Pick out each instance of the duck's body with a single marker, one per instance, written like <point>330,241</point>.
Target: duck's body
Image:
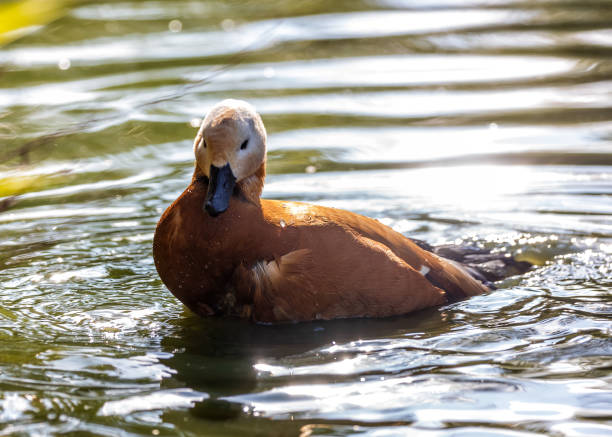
<point>274,261</point>
<point>289,261</point>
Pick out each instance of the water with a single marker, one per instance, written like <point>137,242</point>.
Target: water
<point>480,121</point>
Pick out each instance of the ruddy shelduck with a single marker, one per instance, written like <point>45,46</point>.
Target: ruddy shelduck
<point>223,250</point>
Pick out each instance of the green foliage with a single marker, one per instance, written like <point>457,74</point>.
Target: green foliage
<point>22,17</point>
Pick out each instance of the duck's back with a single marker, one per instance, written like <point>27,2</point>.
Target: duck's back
<point>330,263</point>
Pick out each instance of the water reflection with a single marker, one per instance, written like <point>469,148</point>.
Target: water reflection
<point>215,355</point>
<point>256,36</point>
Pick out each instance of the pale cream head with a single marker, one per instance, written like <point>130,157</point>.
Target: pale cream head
<point>232,133</point>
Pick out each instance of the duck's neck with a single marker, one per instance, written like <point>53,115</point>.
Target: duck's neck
<point>252,186</point>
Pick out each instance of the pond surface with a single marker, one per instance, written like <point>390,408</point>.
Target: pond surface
<point>478,121</point>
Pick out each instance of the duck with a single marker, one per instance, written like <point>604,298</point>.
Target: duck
<point>223,250</point>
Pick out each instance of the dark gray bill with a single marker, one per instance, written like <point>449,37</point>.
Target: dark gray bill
<point>221,183</point>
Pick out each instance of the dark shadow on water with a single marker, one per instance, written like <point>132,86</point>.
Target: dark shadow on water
<point>216,356</point>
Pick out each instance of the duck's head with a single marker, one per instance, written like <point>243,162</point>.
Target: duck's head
<point>230,150</point>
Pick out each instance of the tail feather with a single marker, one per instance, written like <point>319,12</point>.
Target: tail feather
<point>492,266</point>
<point>483,265</point>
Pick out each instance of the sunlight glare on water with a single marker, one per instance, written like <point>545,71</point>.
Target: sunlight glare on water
<point>480,122</point>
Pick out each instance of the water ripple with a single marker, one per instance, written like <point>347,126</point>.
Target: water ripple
<point>481,122</point>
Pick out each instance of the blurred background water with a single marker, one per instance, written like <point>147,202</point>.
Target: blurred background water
<point>478,121</point>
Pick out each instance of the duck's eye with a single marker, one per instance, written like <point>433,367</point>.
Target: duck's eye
<point>203,143</point>
<point>244,144</point>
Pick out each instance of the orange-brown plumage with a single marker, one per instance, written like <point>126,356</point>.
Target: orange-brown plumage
<point>274,261</point>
